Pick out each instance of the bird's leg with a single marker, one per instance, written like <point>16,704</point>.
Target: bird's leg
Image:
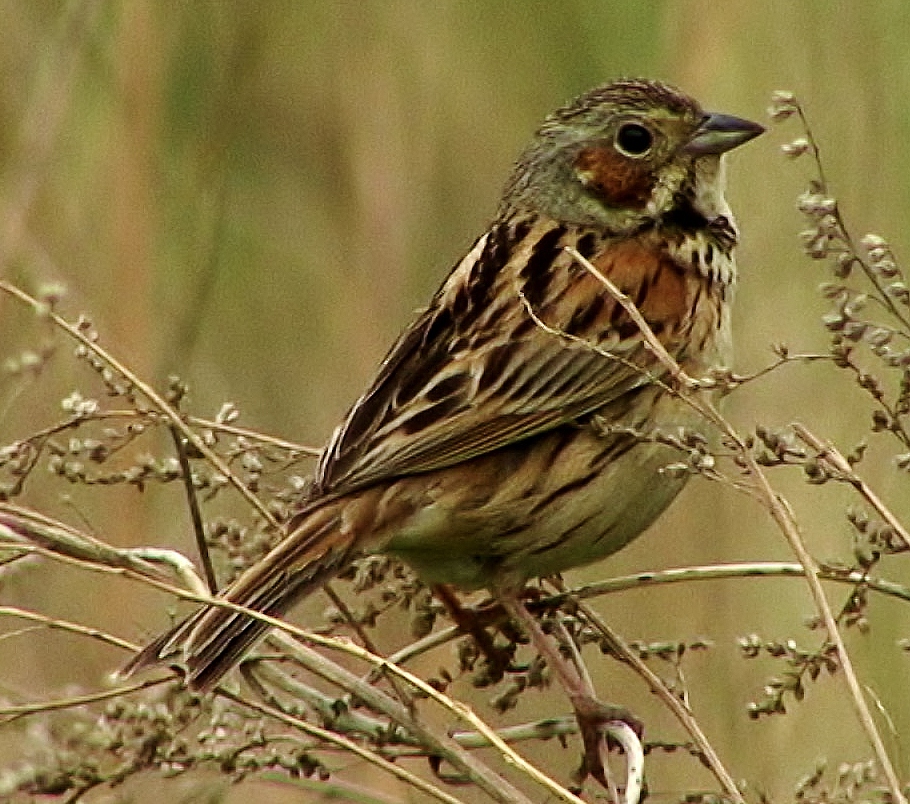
<point>592,714</point>
<point>499,660</point>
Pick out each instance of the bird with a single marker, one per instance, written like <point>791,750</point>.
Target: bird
<point>504,436</point>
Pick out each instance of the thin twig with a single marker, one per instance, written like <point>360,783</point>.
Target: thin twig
<point>711,572</point>
<point>348,745</point>
<point>62,541</point>
<point>485,778</point>
<point>14,712</point>
<point>255,435</point>
<point>197,421</point>
<point>737,380</point>
<point>845,472</point>
<point>365,639</point>
<point>195,513</point>
<point>652,342</point>
<point>755,569</point>
<point>65,625</point>
<point>681,711</point>
<point>149,393</point>
<point>883,297</point>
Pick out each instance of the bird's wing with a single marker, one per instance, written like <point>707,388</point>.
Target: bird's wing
<point>519,340</point>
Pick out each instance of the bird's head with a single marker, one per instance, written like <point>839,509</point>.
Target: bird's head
<point>625,154</point>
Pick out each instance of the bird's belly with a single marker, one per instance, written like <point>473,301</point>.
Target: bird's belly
<point>566,499</point>
<point>615,508</point>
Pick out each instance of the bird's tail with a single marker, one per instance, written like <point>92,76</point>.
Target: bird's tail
<point>211,641</point>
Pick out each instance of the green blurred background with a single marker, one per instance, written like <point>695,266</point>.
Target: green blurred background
<point>256,196</point>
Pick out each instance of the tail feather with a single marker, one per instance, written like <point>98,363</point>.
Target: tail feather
<point>211,641</point>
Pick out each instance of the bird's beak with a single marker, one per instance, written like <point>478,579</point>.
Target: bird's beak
<point>719,133</point>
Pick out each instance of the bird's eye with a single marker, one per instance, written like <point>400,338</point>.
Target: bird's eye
<point>633,139</point>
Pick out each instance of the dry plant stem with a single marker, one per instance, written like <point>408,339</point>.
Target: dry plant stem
<point>479,774</point>
<point>349,618</point>
<point>269,679</point>
<point>291,641</point>
<point>402,743</point>
<point>538,730</point>
<point>375,699</point>
<point>737,380</point>
<point>570,678</point>
<point>651,340</point>
<point>11,713</point>
<point>66,625</point>
<point>195,514</point>
<point>150,394</point>
<point>675,705</point>
<point>577,660</point>
<point>635,761</point>
<point>364,637</point>
<point>253,435</point>
<point>828,452</point>
<point>46,532</point>
<point>350,747</point>
<point>758,569</point>
<point>781,513</point>
<point>786,521</point>
<point>196,421</point>
<point>843,231</point>
<point>458,709</point>
<point>495,786</point>
<point>55,538</point>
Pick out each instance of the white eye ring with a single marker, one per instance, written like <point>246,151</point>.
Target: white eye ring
<point>633,140</point>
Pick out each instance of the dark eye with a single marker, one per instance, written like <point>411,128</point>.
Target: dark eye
<point>634,139</point>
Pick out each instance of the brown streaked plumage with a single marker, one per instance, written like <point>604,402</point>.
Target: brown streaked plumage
<point>478,454</point>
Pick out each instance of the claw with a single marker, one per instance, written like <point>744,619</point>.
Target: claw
<point>592,716</point>
<point>598,713</point>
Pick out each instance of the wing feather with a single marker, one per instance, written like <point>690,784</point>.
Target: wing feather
<point>477,371</point>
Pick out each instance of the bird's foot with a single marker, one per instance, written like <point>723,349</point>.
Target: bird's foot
<point>593,716</point>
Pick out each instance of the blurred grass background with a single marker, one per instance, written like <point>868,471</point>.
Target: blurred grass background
<point>257,196</point>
